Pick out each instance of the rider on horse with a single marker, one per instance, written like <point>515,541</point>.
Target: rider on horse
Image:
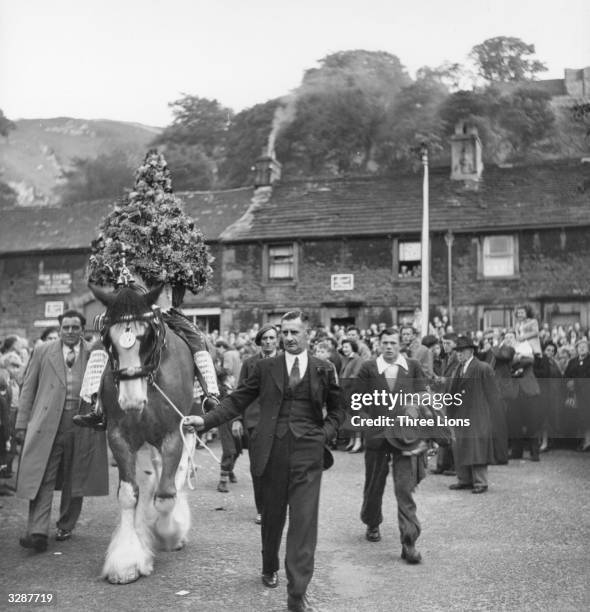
<point>149,241</point>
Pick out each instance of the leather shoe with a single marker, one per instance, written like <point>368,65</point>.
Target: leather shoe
<point>373,534</point>
<point>270,580</point>
<point>222,486</point>
<point>36,541</point>
<point>61,535</point>
<point>299,604</point>
<point>477,490</point>
<point>92,419</point>
<point>459,485</point>
<point>410,554</point>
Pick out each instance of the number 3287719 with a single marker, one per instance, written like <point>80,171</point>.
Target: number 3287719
<point>31,598</point>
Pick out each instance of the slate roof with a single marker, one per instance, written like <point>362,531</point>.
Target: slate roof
<point>545,195</point>
<point>24,230</point>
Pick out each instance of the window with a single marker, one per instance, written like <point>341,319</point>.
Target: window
<point>409,259</point>
<point>497,318</point>
<point>499,256</point>
<point>281,262</point>
<point>206,319</point>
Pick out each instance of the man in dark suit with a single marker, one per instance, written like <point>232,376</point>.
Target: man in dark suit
<point>392,373</point>
<point>445,464</point>
<point>481,403</point>
<point>288,447</point>
<point>52,445</point>
<point>268,341</point>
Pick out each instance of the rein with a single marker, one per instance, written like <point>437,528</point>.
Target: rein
<point>192,469</point>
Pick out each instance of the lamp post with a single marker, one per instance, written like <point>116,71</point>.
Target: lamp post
<point>449,238</point>
<point>425,243</point>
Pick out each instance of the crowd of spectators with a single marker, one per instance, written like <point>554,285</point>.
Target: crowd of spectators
<point>559,368</point>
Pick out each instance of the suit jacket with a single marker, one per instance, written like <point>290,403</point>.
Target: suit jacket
<point>40,409</point>
<point>252,413</point>
<point>266,383</point>
<point>484,441</point>
<point>410,381</point>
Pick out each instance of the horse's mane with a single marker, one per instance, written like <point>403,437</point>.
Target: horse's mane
<point>128,302</point>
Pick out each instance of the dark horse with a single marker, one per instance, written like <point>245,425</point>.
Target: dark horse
<point>146,359</point>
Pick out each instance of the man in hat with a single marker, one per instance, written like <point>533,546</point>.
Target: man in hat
<point>450,364</point>
<point>267,339</point>
<point>289,453</point>
<point>480,401</point>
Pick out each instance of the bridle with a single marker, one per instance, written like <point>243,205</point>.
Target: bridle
<point>149,368</point>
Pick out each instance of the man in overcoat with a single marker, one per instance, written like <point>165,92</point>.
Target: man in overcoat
<point>392,373</point>
<point>55,453</point>
<point>481,404</point>
<point>288,449</point>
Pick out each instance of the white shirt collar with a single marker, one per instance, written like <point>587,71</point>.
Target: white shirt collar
<point>466,364</point>
<point>290,360</point>
<point>382,365</point>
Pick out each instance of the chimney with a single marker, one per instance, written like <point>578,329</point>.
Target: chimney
<point>267,171</point>
<point>466,162</point>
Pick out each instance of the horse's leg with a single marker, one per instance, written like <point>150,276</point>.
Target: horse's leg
<point>173,521</point>
<point>128,556</point>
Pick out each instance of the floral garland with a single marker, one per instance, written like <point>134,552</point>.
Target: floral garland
<point>149,232</point>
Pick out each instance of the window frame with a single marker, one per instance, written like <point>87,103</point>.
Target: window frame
<point>266,263</point>
<point>481,257</point>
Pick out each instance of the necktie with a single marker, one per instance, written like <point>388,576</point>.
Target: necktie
<point>294,376</point>
<point>70,358</point>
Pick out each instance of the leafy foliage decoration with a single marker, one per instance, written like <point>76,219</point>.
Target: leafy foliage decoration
<point>149,232</point>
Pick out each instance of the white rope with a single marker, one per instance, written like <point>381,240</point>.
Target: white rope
<point>192,473</point>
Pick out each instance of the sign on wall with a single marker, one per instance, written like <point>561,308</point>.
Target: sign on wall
<point>54,283</point>
<point>53,309</point>
<point>342,282</point>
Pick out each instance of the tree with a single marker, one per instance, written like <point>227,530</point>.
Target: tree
<point>5,124</point>
<point>247,139</point>
<point>340,107</point>
<point>197,121</point>
<point>8,196</point>
<point>527,117</point>
<point>505,58</point>
<point>94,179</point>
<point>190,167</point>
<point>413,120</point>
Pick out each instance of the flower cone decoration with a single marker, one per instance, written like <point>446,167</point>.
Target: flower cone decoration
<point>150,233</point>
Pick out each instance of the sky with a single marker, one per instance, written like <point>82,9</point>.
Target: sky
<point>128,59</point>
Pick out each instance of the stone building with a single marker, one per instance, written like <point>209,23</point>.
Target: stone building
<point>345,249</point>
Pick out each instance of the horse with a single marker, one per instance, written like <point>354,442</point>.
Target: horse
<point>144,393</point>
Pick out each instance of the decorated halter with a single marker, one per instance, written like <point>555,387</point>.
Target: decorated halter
<point>153,318</point>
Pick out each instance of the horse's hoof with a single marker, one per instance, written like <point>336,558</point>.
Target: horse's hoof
<point>126,578</point>
<point>179,546</point>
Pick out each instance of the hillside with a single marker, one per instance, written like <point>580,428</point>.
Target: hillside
<point>35,154</point>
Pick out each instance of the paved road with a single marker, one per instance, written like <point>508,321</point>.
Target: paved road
<point>525,545</point>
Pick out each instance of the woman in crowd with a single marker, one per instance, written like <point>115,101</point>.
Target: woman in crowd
<point>577,375</point>
<point>524,413</point>
<point>550,382</point>
<point>351,364</point>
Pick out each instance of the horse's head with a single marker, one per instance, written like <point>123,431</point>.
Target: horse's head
<point>133,335</point>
